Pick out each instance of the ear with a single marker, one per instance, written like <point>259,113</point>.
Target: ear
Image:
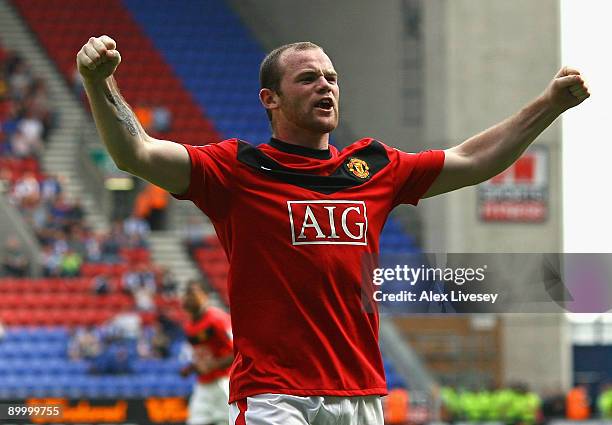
<point>269,99</point>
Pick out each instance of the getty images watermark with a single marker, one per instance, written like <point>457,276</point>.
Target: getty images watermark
<point>412,276</point>
<point>487,283</point>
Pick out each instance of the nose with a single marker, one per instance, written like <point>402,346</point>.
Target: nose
<point>323,86</point>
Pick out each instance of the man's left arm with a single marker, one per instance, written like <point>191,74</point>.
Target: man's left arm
<point>489,153</point>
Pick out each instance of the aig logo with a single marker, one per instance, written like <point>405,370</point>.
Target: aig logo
<point>328,222</point>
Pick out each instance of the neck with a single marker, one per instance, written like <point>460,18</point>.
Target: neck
<point>195,315</point>
<point>301,137</point>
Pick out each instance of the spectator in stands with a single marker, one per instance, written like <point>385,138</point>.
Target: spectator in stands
<point>93,247</point>
<point>162,119</point>
<point>10,62</point>
<point>38,219</point>
<point>141,284</point>
<point>144,297</point>
<point>27,116</point>
<point>171,328</point>
<point>101,284</point>
<point>136,231</point>
<point>136,277</point>
<point>51,261</point>
<point>145,115</point>
<point>117,348</point>
<point>76,212</point>
<point>9,126</point>
<point>26,191</point>
<point>25,143</point>
<point>70,265</point>
<point>154,343</point>
<point>43,225</point>
<point>143,347</point>
<point>60,212</point>
<point>160,342</point>
<point>50,188</point>
<point>119,344</point>
<point>84,344</point>
<point>19,77</point>
<point>126,325</point>
<point>37,103</point>
<point>167,282</point>
<point>15,262</point>
<point>151,204</point>
<point>112,242</point>
<point>32,127</point>
<point>77,239</point>
<point>59,242</point>
<point>156,119</point>
<point>116,357</point>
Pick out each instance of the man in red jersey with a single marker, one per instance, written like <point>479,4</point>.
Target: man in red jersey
<point>210,334</point>
<point>296,217</point>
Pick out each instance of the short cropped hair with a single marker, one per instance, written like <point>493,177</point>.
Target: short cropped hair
<point>270,71</point>
<point>199,283</point>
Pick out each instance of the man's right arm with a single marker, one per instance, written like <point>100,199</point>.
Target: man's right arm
<point>165,164</point>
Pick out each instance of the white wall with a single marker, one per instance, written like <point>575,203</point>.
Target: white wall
<point>586,34</point>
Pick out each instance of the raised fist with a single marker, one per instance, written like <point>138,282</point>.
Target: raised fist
<point>98,58</point>
<point>567,89</point>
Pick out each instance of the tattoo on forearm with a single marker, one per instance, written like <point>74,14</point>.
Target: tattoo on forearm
<point>124,114</point>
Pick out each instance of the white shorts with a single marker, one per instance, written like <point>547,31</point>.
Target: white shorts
<point>208,403</point>
<point>281,409</point>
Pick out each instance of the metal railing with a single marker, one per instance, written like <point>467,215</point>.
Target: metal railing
<point>11,224</point>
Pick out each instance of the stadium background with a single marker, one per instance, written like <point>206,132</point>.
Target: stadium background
<point>415,74</point>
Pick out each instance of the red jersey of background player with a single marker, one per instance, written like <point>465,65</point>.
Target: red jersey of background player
<point>211,339</point>
<point>296,224</point>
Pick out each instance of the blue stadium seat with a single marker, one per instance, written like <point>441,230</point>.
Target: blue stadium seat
<point>226,61</point>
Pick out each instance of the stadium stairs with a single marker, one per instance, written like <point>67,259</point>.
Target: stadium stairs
<point>59,156</point>
<point>53,24</point>
<point>11,224</point>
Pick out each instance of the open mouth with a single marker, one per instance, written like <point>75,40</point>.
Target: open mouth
<point>325,104</point>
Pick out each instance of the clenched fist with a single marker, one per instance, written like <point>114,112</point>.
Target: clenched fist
<point>98,58</point>
<point>567,89</point>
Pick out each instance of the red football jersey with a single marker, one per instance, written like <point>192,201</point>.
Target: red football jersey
<point>295,224</point>
<point>211,335</point>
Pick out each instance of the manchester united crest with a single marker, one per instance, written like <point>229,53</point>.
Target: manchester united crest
<point>358,167</point>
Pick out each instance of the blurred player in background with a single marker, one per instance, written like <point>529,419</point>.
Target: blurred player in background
<point>296,218</point>
<point>210,334</point>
